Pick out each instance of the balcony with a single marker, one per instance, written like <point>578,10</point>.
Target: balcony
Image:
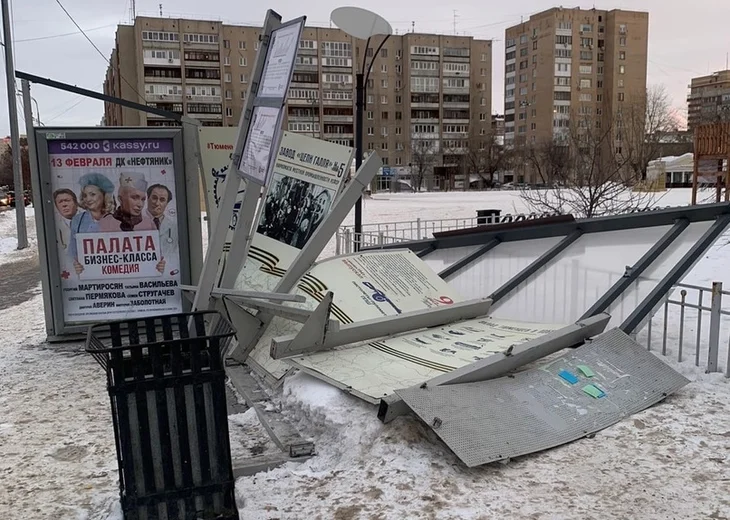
<point>153,44</point>
<point>424,105</point>
<point>462,105</point>
<point>314,118</point>
<point>338,86</point>
<point>455,151</point>
<point>162,79</point>
<point>200,45</point>
<point>300,67</point>
<point>456,90</point>
<point>203,64</point>
<point>207,116</point>
<point>425,73</point>
<point>455,135</point>
<point>339,70</point>
<point>157,116</point>
<point>423,135</point>
<point>339,136</point>
<point>457,59</point>
<point>330,118</point>
<point>426,120</point>
<point>170,98</point>
<point>309,86</point>
<point>203,81</point>
<point>456,74</point>
<point>338,102</point>
<point>164,62</point>
<point>463,121</point>
<point>302,102</point>
<point>203,99</point>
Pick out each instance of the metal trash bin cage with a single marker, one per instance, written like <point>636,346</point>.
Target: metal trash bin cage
<point>166,383</point>
<point>488,216</point>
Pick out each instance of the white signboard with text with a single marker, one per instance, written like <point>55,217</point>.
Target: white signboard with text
<point>366,286</point>
<point>134,255</point>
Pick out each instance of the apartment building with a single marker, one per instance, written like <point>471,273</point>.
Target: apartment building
<point>562,64</point>
<point>709,99</point>
<point>431,90</point>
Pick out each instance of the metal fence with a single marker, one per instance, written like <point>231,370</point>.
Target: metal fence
<point>374,235</point>
<point>701,333</point>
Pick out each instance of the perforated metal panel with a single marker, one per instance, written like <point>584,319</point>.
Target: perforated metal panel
<point>537,409</point>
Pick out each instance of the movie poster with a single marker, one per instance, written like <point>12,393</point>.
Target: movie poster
<point>116,228</point>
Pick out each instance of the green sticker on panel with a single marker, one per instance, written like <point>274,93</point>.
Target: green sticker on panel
<point>594,391</point>
<point>585,370</point>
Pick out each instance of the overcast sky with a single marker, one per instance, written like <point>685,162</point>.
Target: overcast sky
<point>685,38</point>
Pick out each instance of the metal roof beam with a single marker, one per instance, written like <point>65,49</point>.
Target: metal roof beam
<point>632,273</point>
<point>531,269</point>
<point>463,262</point>
<point>423,252</point>
<point>661,217</point>
<point>636,318</point>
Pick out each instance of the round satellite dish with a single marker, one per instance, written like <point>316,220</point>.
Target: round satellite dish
<point>360,23</point>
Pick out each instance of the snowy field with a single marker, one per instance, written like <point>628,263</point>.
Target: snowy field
<point>57,458</point>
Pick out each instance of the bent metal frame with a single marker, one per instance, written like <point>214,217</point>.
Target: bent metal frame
<point>487,238</point>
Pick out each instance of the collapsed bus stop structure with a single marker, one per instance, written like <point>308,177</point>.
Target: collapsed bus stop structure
<point>434,327</point>
<point>517,294</point>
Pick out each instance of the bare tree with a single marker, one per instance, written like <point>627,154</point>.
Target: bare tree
<point>6,165</point>
<point>587,172</point>
<point>423,159</point>
<point>550,160</point>
<point>486,156</point>
<point>646,122</point>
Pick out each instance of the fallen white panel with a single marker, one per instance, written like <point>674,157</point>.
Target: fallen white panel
<point>538,409</point>
<point>365,285</point>
<point>373,370</point>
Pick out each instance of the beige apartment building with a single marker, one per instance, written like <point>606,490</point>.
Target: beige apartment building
<point>432,90</point>
<point>562,64</point>
<point>709,99</point>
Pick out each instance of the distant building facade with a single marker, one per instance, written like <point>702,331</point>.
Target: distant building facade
<point>425,91</point>
<point>563,62</point>
<point>709,99</point>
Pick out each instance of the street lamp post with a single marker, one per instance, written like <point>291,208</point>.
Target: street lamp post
<point>38,110</point>
<point>362,24</point>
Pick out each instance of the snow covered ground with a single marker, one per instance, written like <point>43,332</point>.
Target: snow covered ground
<point>57,457</point>
<point>9,236</point>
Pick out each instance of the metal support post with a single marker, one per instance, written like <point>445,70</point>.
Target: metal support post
<point>359,106</point>
<point>644,309</point>
<point>531,269</point>
<point>98,95</point>
<point>314,246</point>
<point>37,186</point>
<point>240,244</point>
<point>192,189</point>
<point>715,316</point>
<point>232,182</point>
<point>318,335</point>
<point>14,130</point>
